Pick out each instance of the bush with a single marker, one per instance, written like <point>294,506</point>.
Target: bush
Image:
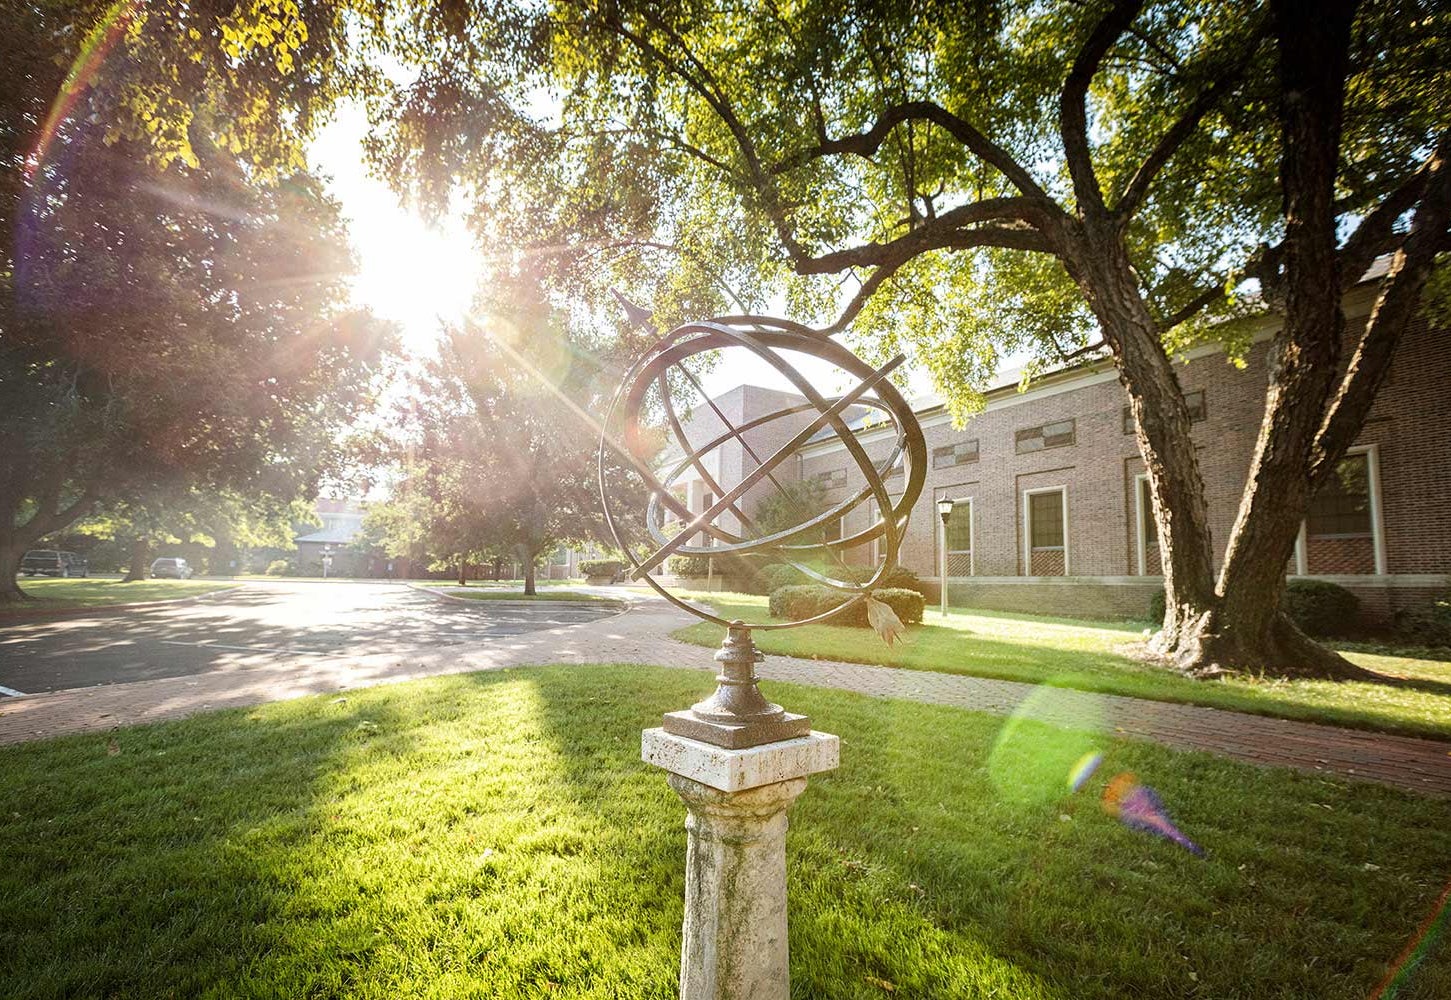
<point>1157,608</point>
<point>688,565</point>
<point>794,603</point>
<point>778,575</point>
<point>279,567</point>
<point>1318,607</point>
<point>601,567</point>
<point>1427,625</point>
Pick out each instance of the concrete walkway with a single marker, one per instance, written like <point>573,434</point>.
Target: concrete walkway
<point>641,636</point>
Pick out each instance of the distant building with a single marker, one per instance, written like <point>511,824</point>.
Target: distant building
<point>342,522</point>
<point>1051,507</point>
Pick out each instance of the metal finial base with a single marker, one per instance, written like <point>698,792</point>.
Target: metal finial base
<point>736,715</point>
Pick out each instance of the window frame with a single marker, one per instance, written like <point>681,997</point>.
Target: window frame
<point>943,552</point>
<point>1062,491</point>
<point>1377,524</point>
<point>1143,521</point>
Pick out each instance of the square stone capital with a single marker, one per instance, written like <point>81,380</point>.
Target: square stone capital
<point>736,770</point>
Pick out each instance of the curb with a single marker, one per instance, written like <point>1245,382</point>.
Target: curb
<point>41,613</point>
<point>621,605</point>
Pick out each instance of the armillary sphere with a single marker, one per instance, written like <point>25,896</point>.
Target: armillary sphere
<point>737,462</point>
<point>726,527</point>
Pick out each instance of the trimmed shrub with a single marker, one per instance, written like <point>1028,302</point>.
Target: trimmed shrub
<point>601,567</point>
<point>1157,607</point>
<point>778,575</point>
<point>279,567</point>
<point>688,565</point>
<point>1427,625</point>
<point>897,578</point>
<point>809,600</point>
<point>1318,607</point>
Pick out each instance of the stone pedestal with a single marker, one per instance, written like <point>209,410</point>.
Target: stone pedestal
<point>735,944</point>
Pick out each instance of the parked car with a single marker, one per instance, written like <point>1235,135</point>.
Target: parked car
<point>171,569</point>
<point>54,562</point>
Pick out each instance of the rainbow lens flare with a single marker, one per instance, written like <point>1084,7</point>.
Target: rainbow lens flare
<point>1083,770</point>
<point>1139,807</point>
<point>98,44</point>
<point>1405,964</point>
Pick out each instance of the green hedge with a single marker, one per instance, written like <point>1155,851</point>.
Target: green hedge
<point>1427,625</point>
<point>1317,607</point>
<point>279,567</point>
<point>601,567</point>
<point>809,600</point>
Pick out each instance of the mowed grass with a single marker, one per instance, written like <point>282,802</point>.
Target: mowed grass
<point>1098,656</point>
<point>58,594</point>
<point>495,835</point>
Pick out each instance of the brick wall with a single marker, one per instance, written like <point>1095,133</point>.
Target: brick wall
<point>1409,430</point>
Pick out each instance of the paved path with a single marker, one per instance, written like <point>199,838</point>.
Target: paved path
<point>641,636</point>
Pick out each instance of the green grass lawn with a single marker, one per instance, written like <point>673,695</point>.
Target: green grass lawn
<point>58,594</point>
<point>475,594</point>
<point>495,835</point>
<point>1093,656</point>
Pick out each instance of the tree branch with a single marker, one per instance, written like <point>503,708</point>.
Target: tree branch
<point>1375,234</point>
<point>1207,294</point>
<point>866,144</point>
<point>1399,298</point>
<point>1073,103</point>
<point>1138,186</point>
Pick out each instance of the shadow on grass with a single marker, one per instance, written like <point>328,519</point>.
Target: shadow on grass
<point>496,835</point>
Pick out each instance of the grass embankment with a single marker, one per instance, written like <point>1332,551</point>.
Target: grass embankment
<point>496,835</point>
<point>1094,656</point>
<point>58,595</point>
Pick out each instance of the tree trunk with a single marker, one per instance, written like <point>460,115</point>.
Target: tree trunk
<point>529,588</point>
<point>1249,631</point>
<point>498,568</point>
<point>463,577</point>
<point>1103,272</point>
<point>140,549</point>
<point>12,551</point>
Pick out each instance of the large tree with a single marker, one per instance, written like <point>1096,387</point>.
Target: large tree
<point>1075,177</point>
<point>980,175</point>
<point>497,445</point>
<point>166,328</point>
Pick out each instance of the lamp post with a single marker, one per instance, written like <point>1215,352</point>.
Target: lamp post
<point>327,559</point>
<point>944,511</point>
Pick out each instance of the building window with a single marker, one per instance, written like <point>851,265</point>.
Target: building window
<point>1340,526</point>
<point>1194,400</point>
<point>832,479</point>
<point>958,541</point>
<point>1054,435</point>
<point>1150,562</point>
<point>949,455</point>
<point>1045,530</point>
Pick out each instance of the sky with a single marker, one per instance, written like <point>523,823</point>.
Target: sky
<point>416,274</point>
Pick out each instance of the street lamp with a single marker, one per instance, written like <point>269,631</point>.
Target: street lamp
<point>944,511</point>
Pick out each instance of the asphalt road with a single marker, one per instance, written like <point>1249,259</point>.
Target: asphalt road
<point>258,623</point>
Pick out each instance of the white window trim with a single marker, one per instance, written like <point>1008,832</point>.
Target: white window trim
<point>1377,526</point>
<point>1028,529</point>
<point>971,537</point>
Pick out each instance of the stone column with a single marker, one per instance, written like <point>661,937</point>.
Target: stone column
<point>735,945</point>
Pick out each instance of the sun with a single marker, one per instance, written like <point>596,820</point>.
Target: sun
<point>416,273</point>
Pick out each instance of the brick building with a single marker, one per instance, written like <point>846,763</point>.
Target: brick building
<point>1052,512</point>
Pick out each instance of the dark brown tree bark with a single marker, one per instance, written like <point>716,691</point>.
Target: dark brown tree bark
<point>11,553</point>
<point>140,549</point>
<point>463,576</point>
<point>529,572</point>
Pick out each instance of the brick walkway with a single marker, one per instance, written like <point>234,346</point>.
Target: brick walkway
<point>641,636</point>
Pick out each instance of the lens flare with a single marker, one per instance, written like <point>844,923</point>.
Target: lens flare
<point>94,50</point>
<point>1050,733</point>
<point>1431,930</point>
<point>1139,807</point>
<point>1083,770</point>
